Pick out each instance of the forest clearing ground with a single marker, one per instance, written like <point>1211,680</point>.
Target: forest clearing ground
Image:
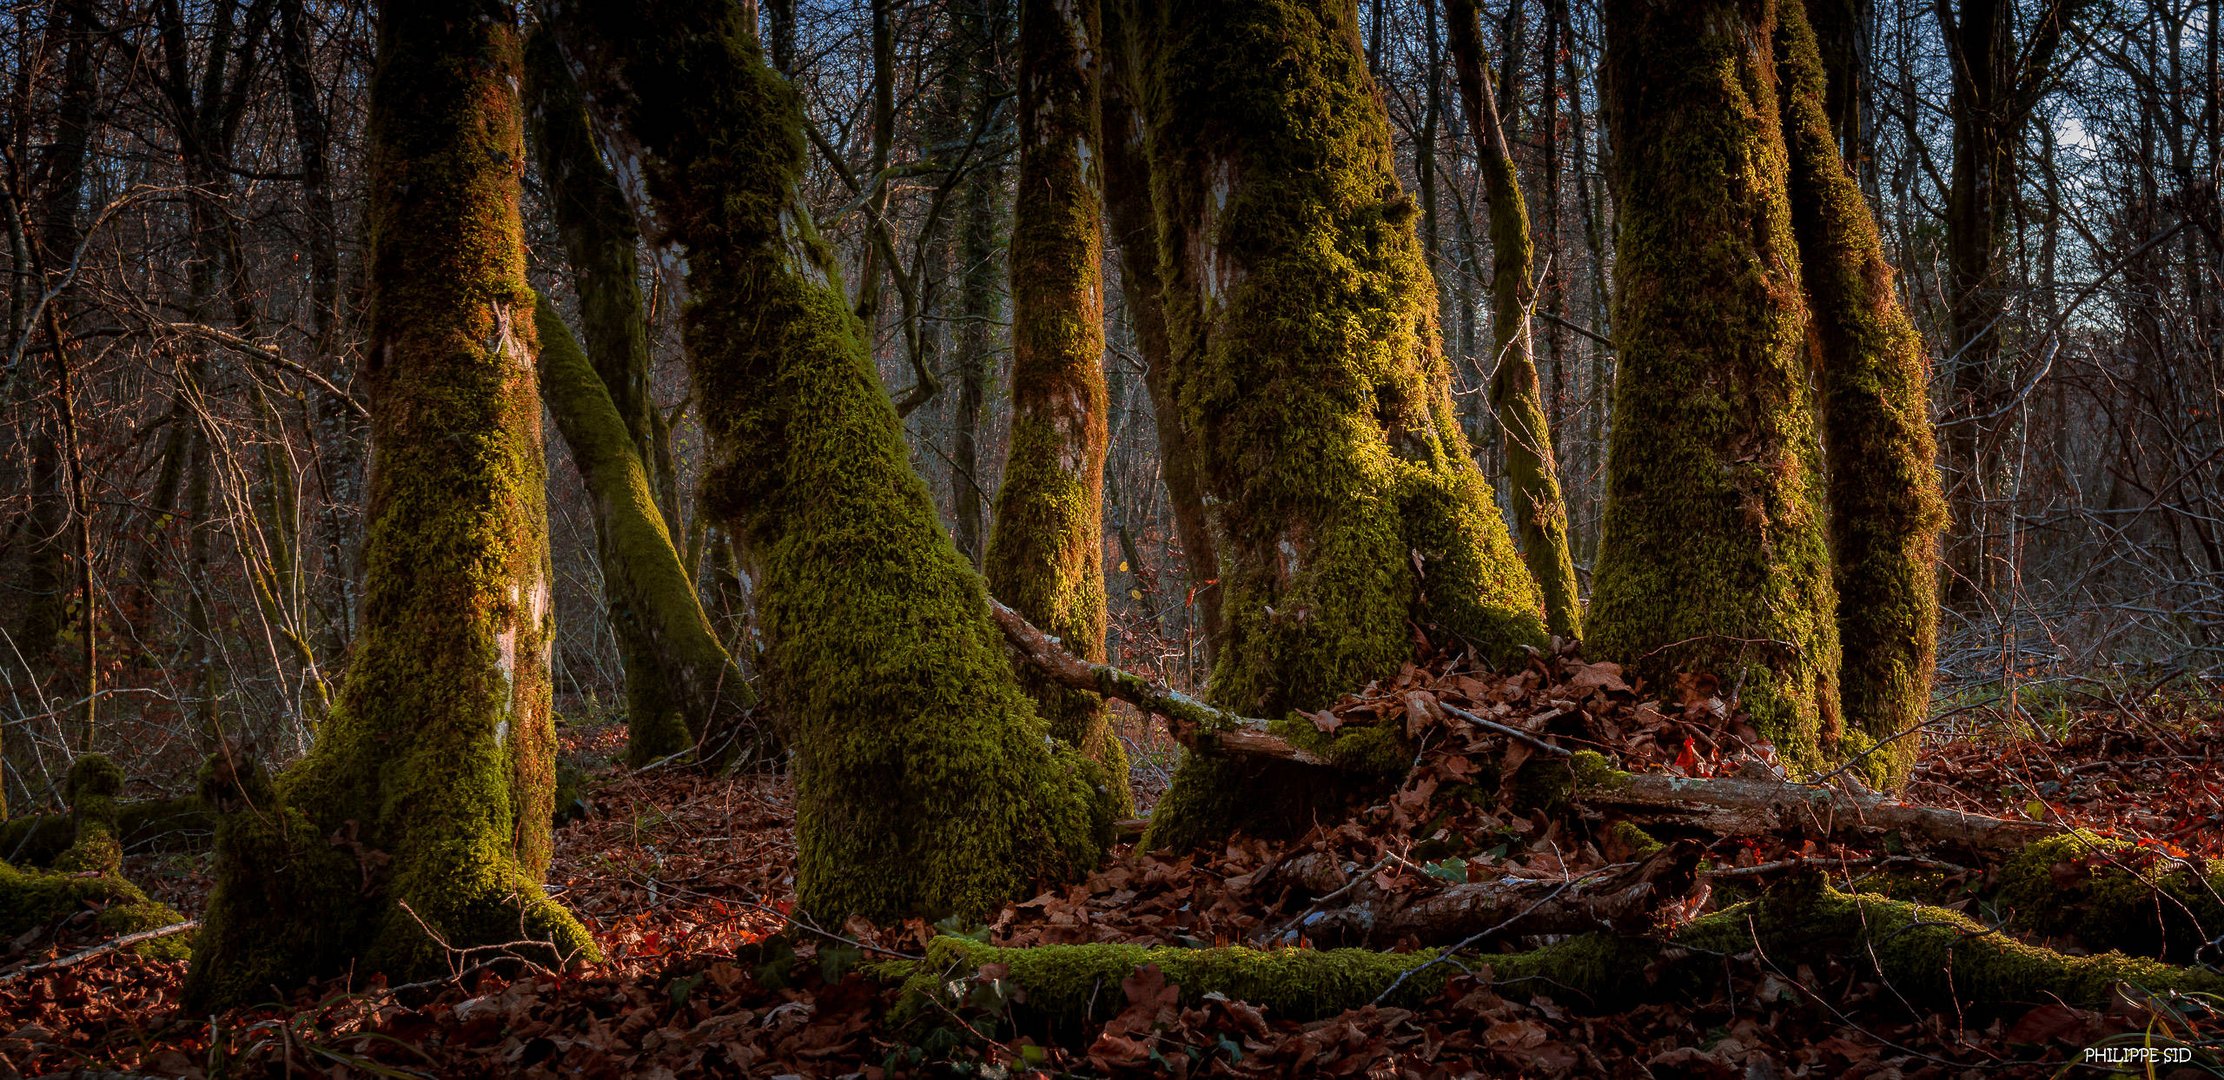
<point>683,877</point>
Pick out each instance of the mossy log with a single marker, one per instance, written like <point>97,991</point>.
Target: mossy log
<point>2113,894</point>
<point>1622,899</point>
<point>1305,358</point>
<point>926,783</point>
<point>1931,957</point>
<point>1744,806</point>
<point>1046,544</point>
<point>419,826</point>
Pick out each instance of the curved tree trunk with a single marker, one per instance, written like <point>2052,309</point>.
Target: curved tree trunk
<point>420,822</point>
<point>1540,514</point>
<point>681,686</point>
<point>1127,210</point>
<point>1715,559</point>
<point>1885,508</point>
<point>1046,547</point>
<point>691,695</point>
<point>1305,354</point>
<point>925,783</point>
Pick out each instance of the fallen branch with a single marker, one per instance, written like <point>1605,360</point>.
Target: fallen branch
<point>102,949</point>
<point>1740,806</point>
<point>1624,899</point>
<point>1193,723</point>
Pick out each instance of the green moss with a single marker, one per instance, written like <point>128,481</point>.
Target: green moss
<point>173,824</point>
<point>2116,895</point>
<point>683,689</point>
<point>1928,954</point>
<point>926,783</point>
<point>419,824</point>
<point>1532,474</point>
<point>1886,511</point>
<point>1714,555</point>
<point>1633,839</point>
<point>1304,357</point>
<point>34,899</point>
<point>1045,553</point>
<point>1074,984</point>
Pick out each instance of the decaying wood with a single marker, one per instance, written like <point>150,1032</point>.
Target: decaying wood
<point>1743,806</point>
<point>1618,899</point>
<point>1194,724</point>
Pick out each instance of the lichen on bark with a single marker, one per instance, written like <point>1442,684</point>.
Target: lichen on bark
<point>1046,546</point>
<point>1306,360</point>
<point>419,823</point>
<point>1714,558</point>
<point>1886,510</point>
<point>926,781</point>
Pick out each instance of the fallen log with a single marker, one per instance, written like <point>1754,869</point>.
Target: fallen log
<point>1623,899</point>
<point>1744,806</point>
<point>1930,957</point>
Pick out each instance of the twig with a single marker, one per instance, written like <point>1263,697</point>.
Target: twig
<point>102,949</point>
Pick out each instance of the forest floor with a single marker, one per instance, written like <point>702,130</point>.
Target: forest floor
<point>687,882</point>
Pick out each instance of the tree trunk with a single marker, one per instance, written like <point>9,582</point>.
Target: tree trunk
<point>1885,508</point>
<point>1046,548</point>
<point>1540,514</point>
<point>925,784</point>
<point>977,274</point>
<point>1715,561</point>
<point>1302,324</point>
<point>682,688</point>
<point>1127,209</point>
<point>420,822</point>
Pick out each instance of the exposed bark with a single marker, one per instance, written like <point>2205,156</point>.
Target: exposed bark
<point>1715,559</point>
<point>1046,547</point>
<point>1532,475</point>
<point>925,783</point>
<point>421,821</point>
<point>1886,512</point>
<point>977,275</point>
<point>1302,324</point>
<point>1627,900</point>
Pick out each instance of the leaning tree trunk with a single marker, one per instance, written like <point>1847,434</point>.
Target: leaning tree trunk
<point>682,688</point>
<point>1046,547</point>
<point>1127,210</point>
<point>1305,357</point>
<point>925,784</point>
<point>1885,508</point>
<point>693,695</point>
<point>420,822</point>
<point>1540,514</point>
<point>1714,560</point>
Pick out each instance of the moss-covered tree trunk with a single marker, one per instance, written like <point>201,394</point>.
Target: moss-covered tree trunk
<point>1886,512</point>
<point>1127,211</point>
<point>681,686</point>
<point>420,822</point>
<point>1046,546</point>
<point>925,781</point>
<point>1305,358</point>
<point>683,689</point>
<point>1714,559</point>
<point>1540,514</point>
